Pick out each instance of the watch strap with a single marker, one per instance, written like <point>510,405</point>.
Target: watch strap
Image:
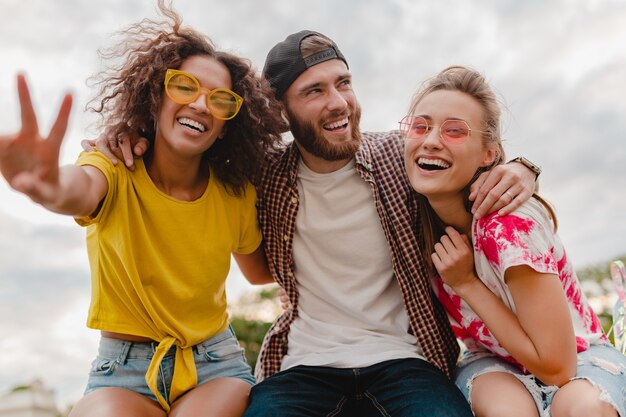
<point>528,164</point>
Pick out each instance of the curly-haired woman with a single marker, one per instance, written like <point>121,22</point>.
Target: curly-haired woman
<point>160,237</point>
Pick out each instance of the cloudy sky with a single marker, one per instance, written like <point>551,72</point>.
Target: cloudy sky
<point>560,67</point>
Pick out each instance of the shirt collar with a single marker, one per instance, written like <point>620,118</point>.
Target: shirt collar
<point>292,156</point>
<point>364,155</point>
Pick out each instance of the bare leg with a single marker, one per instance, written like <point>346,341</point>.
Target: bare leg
<point>580,398</point>
<point>499,394</point>
<point>221,397</point>
<point>118,402</point>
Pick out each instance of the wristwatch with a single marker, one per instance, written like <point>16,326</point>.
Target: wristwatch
<point>534,168</point>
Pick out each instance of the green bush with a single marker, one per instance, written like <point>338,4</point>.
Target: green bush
<point>250,334</point>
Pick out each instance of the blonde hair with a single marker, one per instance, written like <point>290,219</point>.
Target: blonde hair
<point>474,84</point>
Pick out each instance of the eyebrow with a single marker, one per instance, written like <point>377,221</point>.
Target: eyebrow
<point>430,119</point>
<point>345,76</point>
<point>340,77</point>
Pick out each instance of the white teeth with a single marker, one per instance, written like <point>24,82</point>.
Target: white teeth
<point>192,123</point>
<point>437,162</point>
<point>336,124</point>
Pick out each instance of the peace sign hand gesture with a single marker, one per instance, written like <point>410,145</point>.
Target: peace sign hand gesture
<point>28,161</point>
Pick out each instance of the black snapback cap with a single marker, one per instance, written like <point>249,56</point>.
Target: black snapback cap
<point>284,62</point>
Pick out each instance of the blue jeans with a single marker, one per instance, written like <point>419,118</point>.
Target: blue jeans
<point>399,388</point>
<point>124,364</point>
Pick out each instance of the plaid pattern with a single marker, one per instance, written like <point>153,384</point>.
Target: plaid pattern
<point>380,162</point>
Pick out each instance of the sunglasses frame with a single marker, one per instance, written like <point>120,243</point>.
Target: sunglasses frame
<point>406,126</point>
<point>170,73</point>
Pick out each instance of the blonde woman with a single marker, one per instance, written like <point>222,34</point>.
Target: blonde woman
<point>534,346</point>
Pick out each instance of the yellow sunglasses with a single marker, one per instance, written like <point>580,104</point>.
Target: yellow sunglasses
<point>184,88</point>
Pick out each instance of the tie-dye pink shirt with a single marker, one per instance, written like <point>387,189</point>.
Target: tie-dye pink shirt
<point>525,237</point>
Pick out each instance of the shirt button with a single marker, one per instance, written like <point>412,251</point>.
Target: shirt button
<point>294,200</point>
<point>285,238</point>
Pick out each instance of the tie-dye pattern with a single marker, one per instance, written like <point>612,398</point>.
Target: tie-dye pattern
<point>525,237</point>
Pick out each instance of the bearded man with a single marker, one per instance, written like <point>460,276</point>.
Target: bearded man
<point>364,335</point>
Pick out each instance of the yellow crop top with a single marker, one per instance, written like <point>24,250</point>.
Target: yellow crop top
<point>159,265</point>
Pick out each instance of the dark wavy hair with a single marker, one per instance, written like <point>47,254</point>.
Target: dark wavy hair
<point>131,93</point>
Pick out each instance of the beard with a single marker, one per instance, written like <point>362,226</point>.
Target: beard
<point>314,142</point>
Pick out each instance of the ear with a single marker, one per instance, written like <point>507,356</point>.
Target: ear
<point>283,111</point>
<point>491,154</point>
<point>285,116</point>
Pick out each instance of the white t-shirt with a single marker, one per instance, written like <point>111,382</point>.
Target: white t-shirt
<point>350,309</point>
<point>525,237</point>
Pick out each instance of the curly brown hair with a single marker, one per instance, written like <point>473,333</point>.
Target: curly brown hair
<point>130,95</point>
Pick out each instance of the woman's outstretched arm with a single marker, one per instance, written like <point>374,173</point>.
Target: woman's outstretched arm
<point>30,163</point>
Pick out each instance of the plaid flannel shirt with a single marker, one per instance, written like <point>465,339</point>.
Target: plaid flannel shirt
<point>379,161</point>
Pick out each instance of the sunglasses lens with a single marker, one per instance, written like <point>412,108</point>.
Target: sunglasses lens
<point>182,89</point>
<point>414,127</point>
<point>223,104</point>
<point>419,126</point>
<point>454,130</point>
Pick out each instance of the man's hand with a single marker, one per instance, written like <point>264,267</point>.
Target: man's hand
<point>503,188</point>
<point>115,149</point>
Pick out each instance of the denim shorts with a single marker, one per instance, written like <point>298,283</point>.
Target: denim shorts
<point>124,364</point>
<point>602,365</point>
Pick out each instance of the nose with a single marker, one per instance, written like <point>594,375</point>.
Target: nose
<point>199,104</point>
<point>336,100</point>
<point>433,138</point>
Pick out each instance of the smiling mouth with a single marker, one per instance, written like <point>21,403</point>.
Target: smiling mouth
<point>428,164</point>
<point>192,124</point>
<point>338,125</point>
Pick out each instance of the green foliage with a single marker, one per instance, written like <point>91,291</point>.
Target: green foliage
<point>607,322</point>
<point>597,272</point>
<point>268,294</point>
<point>600,272</point>
<point>250,334</point>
